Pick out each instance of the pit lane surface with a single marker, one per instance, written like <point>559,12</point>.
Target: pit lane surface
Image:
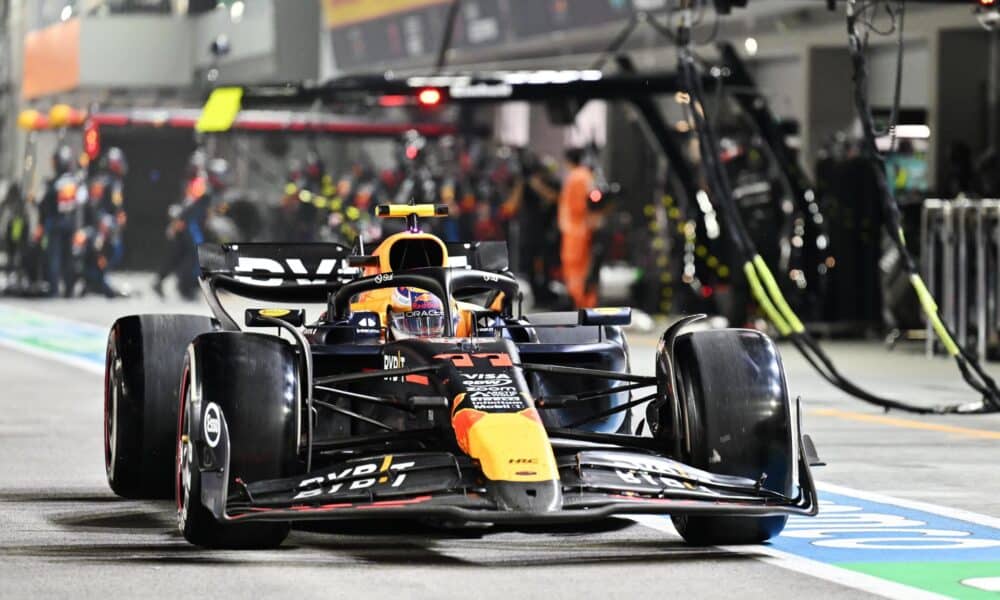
<point>63,533</point>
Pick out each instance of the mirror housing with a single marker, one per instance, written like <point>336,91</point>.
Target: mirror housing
<point>257,317</point>
<point>605,316</point>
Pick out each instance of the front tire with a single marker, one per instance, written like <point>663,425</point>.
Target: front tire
<point>731,386</point>
<point>253,382</point>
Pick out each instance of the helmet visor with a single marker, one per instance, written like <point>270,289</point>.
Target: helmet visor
<point>419,323</point>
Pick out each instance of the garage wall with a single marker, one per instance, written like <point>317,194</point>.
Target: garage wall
<point>829,100</point>
<point>959,113</point>
<point>781,81</point>
<point>916,74</point>
<point>270,43</point>
<point>251,38</point>
<point>296,42</point>
<point>145,51</point>
<point>135,51</point>
<point>823,104</point>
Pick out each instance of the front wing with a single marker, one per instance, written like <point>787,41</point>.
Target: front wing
<point>596,484</point>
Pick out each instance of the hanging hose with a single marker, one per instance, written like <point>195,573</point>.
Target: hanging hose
<point>972,371</point>
<point>764,287</point>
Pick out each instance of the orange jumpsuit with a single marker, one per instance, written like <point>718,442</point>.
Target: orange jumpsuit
<point>574,225</point>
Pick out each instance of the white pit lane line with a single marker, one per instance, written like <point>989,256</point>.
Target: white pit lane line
<point>934,509</point>
<point>813,568</point>
<point>850,578</point>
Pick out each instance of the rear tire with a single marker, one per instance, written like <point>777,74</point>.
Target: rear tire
<point>731,386</point>
<point>254,381</point>
<point>145,355</point>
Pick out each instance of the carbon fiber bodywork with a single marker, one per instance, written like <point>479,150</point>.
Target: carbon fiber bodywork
<point>386,427</point>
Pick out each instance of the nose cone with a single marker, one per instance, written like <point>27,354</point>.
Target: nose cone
<point>527,497</point>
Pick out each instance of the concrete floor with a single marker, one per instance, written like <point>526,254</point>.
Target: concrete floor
<point>63,533</point>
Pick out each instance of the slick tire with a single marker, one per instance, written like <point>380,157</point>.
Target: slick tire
<point>252,382</point>
<point>731,386</point>
<point>145,355</point>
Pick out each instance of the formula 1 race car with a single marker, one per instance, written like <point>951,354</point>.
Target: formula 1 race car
<point>423,392</point>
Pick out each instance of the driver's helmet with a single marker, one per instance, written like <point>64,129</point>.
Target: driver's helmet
<point>417,313</point>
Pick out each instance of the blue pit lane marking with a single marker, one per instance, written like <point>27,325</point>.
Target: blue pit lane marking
<point>72,342</point>
<point>887,546</point>
<point>850,528</point>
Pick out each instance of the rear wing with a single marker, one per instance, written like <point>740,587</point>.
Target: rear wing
<point>308,272</point>
<point>275,270</point>
<point>283,273</point>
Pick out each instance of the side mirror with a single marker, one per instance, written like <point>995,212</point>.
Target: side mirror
<point>362,261</point>
<point>259,317</point>
<point>365,321</point>
<point>605,316</point>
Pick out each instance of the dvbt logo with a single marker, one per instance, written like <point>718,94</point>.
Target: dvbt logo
<point>354,478</point>
<point>393,361</point>
<point>259,268</point>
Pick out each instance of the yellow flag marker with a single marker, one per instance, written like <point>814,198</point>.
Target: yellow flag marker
<point>221,109</point>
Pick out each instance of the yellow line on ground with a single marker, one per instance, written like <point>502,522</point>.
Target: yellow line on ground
<point>906,423</point>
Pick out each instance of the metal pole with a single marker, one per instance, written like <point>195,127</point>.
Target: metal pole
<point>980,237</point>
<point>993,256</point>
<point>993,93</point>
<point>948,278</point>
<point>962,209</point>
<point>449,32</point>
<point>929,235</point>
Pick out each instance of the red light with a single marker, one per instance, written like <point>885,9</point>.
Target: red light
<point>91,141</point>
<point>595,196</point>
<point>429,97</point>
<point>987,3</point>
<point>411,152</point>
<point>392,101</point>
<point>707,291</point>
